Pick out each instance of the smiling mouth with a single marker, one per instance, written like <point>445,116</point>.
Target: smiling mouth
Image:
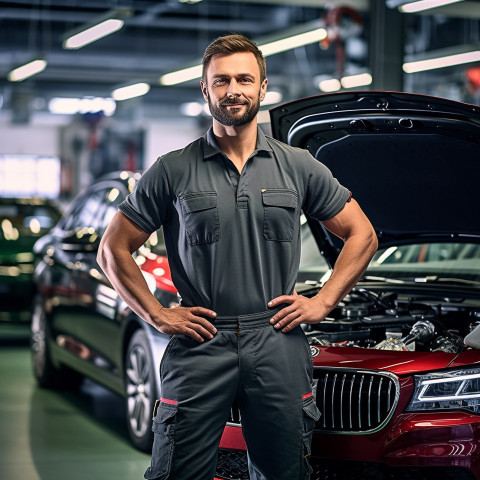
<point>234,105</point>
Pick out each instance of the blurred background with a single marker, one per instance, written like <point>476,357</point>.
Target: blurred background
<point>73,121</point>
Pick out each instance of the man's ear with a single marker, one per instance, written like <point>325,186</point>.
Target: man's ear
<point>203,86</point>
<point>263,89</point>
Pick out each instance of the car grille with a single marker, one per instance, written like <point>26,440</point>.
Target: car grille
<point>232,465</point>
<point>351,401</point>
<point>355,401</point>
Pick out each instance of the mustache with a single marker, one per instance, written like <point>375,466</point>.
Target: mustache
<point>232,101</point>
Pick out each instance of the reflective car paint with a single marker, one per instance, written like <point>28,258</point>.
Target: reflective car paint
<point>391,361</point>
<point>80,326</point>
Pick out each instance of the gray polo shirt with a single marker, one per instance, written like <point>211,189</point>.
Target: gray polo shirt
<point>233,240</point>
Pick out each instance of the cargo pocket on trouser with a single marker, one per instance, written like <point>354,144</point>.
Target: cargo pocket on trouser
<point>311,415</point>
<point>163,443</point>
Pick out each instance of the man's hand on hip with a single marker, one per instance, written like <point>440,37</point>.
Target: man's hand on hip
<point>187,321</point>
<point>300,309</point>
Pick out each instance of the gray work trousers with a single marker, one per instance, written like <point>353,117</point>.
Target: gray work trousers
<point>269,374</point>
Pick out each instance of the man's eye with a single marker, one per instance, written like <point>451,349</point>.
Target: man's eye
<point>219,81</point>
<point>246,80</point>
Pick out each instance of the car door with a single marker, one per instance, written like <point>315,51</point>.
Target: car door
<point>56,275</point>
<point>99,328</point>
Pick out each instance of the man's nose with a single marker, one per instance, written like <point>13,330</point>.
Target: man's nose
<point>233,89</point>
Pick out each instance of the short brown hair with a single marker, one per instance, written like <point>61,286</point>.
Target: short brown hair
<point>234,43</point>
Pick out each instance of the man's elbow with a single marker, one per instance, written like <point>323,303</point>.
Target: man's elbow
<point>371,241</point>
<point>103,253</point>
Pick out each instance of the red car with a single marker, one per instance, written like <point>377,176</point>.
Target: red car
<point>397,362</point>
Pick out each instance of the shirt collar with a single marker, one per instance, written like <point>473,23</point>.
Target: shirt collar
<point>211,148</point>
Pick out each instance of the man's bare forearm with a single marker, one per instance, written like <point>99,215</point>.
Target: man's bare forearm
<point>352,262</point>
<point>360,243</point>
<point>128,281</point>
<point>121,239</point>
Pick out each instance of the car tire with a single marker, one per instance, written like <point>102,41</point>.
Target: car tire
<point>44,371</point>
<point>140,391</point>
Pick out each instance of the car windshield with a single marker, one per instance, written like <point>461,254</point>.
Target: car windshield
<point>25,218</point>
<point>430,261</point>
<point>439,260</point>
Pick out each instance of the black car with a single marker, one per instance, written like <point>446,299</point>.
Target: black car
<point>80,327</point>
<point>22,222</point>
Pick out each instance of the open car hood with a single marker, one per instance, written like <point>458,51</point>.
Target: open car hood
<point>411,161</point>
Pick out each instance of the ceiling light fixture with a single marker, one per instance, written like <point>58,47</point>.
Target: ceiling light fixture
<point>267,48</point>
<point>293,41</point>
<point>29,69</point>
<point>271,98</point>
<point>191,109</point>
<point>441,62</point>
<point>131,91</point>
<point>330,85</point>
<point>103,26</point>
<point>353,81</point>
<point>181,76</point>
<point>420,6</point>
<point>72,106</point>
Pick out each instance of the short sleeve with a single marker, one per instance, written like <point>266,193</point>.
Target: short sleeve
<point>147,206</point>
<point>324,196</point>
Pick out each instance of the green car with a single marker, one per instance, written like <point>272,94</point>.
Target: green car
<point>22,222</point>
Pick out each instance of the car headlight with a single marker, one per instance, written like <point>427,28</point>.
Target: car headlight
<point>447,390</point>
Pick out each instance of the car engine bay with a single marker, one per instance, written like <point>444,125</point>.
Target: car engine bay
<point>397,321</point>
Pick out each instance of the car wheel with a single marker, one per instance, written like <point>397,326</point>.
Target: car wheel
<point>140,391</point>
<point>45,372</point>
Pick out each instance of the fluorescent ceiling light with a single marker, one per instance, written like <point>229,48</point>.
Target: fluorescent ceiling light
<point>131,91</point>
<point>180,76</point>
<point>269,48</point>
<point>92,34</point>
<point>191,109</point>
<point>353,81</point>
<point>271,98</point>
<point>422,5</point>
<point>27,70</point>
<point>441,62</point>
<point>331,85</point>
<point>72,106</point>
<point>292,42</point>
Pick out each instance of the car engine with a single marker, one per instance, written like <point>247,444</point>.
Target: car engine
<point>394,321</point>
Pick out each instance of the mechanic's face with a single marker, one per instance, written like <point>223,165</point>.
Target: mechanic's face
<point>233,89</point>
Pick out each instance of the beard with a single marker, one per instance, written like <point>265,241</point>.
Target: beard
<point>229,118</point>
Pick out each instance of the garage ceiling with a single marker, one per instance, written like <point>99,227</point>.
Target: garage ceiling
<point>158,37</point>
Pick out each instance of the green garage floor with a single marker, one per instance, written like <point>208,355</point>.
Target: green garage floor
<point>50,435</point>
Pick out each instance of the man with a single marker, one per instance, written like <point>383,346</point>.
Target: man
<point>230,204</point>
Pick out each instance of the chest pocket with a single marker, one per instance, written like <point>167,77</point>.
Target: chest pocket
<point>279,206</point>
<point>200,217</point>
